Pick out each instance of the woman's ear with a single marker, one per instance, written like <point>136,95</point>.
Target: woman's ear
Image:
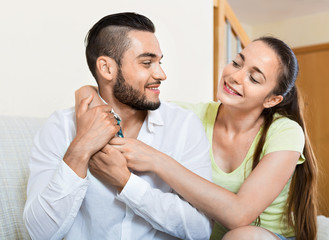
<point>106,67</point>
<point>272,101</point>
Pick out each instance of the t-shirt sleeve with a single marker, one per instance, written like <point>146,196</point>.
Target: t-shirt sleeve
<point>285,135</point>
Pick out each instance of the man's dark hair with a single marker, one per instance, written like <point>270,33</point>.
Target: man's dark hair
<point>108,37</point>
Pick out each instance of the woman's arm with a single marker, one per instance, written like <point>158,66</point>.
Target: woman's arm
<point>85,92</point>
<point>232,210</point>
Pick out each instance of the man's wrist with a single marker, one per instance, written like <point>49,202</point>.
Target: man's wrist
<point>79,149</point>
<point>77,159</point>
<point>124,181</point>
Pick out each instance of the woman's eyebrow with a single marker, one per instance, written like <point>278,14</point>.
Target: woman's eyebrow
<point>258,70</point>
<point>255,68</point>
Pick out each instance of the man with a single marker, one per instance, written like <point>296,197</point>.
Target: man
<point>107,201</point>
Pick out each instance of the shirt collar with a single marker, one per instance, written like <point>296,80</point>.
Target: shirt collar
<point>154,118</point>
<point>112,111</point>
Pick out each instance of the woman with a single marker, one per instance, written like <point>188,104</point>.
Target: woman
<point>264,169</point>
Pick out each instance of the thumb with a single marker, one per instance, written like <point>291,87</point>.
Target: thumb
<point>117,141</point>
<point>83,107</point>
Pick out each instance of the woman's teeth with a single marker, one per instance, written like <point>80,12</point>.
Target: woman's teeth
<point>231,90</point>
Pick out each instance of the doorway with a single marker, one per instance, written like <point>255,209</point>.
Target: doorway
<point>313,83</point>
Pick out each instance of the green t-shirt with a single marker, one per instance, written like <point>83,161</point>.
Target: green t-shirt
<point>283,134</point>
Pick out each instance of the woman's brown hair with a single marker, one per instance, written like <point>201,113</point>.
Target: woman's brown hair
<point>301,208</point>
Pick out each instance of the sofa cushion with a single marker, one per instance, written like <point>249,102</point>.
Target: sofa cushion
<point>16,139</point>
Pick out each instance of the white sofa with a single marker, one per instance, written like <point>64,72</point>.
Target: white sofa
<point>16,139</point>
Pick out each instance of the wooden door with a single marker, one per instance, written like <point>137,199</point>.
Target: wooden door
<point>313,83</point>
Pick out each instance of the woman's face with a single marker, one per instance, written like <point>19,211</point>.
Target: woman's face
<point>247,81</point>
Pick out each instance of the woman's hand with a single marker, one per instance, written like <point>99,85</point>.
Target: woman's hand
<point>85,92</point>
<point>140,156</point>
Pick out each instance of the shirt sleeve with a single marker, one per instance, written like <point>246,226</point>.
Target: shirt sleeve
<point>285,135</point>
<point>54,191</point>
<point>167,211</point>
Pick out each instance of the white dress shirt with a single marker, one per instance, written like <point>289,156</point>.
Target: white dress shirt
<point>61,204</point>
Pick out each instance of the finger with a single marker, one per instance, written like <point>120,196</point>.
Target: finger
<point>114,124</point>
<point>118,141</point>
<point>111,116</point>
<point>119,148</point>
<point>98,159</point>
<point>96,156</point>
<point>79,95</point>
<point>91,162</point>
<point>116,129</point>
<point>106,149</point>
<point>122,149</point>
<point>109,150</point>
<point>94,167</point>
<point>85,91</point>
<point>105,108</point>
<point>82,93</point>
<point>83,107</point>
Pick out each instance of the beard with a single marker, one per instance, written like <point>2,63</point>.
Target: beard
<point>126,94</point>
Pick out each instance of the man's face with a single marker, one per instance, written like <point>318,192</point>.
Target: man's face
<point>140,74</point>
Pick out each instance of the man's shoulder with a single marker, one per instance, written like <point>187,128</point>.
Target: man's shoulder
<point>68,114</point>
<point>201,110</point>
<point>173,106</point>
<point>170,109</point>
<point>61,119</point>
<point>57,132</point>
<point>176,117</point>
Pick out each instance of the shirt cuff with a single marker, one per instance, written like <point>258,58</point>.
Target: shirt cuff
<point>134,190</point>
<point>67,181</point>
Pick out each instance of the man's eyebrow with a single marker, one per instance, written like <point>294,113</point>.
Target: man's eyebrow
<point>152,55</point>
<point>255,68</point>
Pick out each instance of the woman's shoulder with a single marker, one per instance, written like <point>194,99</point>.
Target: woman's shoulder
<point>282,123</point>
<point>284,134</point>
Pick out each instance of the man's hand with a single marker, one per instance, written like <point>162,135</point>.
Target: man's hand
<point>95,128</point>
<point>110,167</point>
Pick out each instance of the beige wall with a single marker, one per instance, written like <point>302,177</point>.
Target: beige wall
<point>42,58</point>
<point>297,32</point>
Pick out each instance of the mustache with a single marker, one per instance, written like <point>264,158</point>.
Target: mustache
<point>152,83</point>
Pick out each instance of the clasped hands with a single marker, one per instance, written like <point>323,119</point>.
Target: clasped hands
<point>95,146</point>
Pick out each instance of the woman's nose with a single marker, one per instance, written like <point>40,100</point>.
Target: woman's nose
<point>238,76</point>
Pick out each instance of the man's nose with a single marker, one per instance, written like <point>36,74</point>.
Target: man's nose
<point>159,74</point>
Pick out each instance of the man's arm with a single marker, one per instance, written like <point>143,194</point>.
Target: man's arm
<point>57,183</point>
<point>165,211</point>
<point>54,191</point>
<point>95,128</point>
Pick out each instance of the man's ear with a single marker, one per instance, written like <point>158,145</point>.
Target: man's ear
<point>272,101</point>
<point>106,67</point>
